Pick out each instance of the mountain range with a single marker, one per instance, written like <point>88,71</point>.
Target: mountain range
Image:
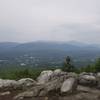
<point>77,50</point>
<point>46,44</point>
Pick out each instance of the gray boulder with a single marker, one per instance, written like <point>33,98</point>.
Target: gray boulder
<point>21,96</point>
<point>98,80</point>
<point>69,86</point>
<point>72,74</point>
<point>26,82</point>
<point>58,71</point>
<point>98,75</point>
<point>8,85</point>
<point>85,73</point>
<point>53,85</point>
<point>35,91</point>
<point>56,81</point>
<point>88,80</point>
<point>5,93</point>
<point>20,84</point>
<point>44,76</point>
<point>84,89</point>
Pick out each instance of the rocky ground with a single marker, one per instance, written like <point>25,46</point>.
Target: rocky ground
<point>53,85</point>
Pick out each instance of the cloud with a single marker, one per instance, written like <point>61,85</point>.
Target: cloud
<point>54,20</point>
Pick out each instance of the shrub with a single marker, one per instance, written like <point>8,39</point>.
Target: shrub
<point>67,66</point>
<point>97,65</point>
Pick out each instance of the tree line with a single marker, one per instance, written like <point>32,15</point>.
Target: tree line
<point>69,67</point>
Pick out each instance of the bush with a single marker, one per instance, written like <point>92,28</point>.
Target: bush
<point>92,68</point>
<point>88,68</point>
<point>67,66</point>
<point>20,73</point>
<point>97,65</point>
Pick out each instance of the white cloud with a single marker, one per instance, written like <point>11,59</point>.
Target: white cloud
<point>55,20</point>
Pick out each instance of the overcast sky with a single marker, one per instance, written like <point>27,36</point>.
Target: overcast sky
<point>50,20</point>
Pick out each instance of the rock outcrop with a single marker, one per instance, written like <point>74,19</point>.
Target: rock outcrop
<point>44,76</point>
<point>53,85</point>
<point>6,85</point>
<point>89,80</point>
<point>69,86</point>
<point>26,83</point>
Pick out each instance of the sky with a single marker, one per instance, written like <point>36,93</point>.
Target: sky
<point>50,20</point>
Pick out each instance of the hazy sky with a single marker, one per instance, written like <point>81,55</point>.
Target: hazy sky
<point>53,20</point>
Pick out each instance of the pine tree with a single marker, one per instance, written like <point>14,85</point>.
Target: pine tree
<point>67,66</point>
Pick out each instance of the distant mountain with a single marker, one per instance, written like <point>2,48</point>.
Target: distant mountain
<point>48,52</point>
<point>78,51</point>
<point>5,46</point>
<point>54,47</point>
<point>8,44</point>
<point>76,43</point>
<point>57,46</point>
<point>46,46</point>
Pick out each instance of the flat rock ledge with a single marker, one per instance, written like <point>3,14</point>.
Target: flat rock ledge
<point>53,85</point>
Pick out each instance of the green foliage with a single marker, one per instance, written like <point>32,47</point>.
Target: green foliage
<point>17,72</point>
<point>97,65</point>
<point>20,73</point>
<point>67,66</point>
<point>92,68</point>
<point>88,68</point>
